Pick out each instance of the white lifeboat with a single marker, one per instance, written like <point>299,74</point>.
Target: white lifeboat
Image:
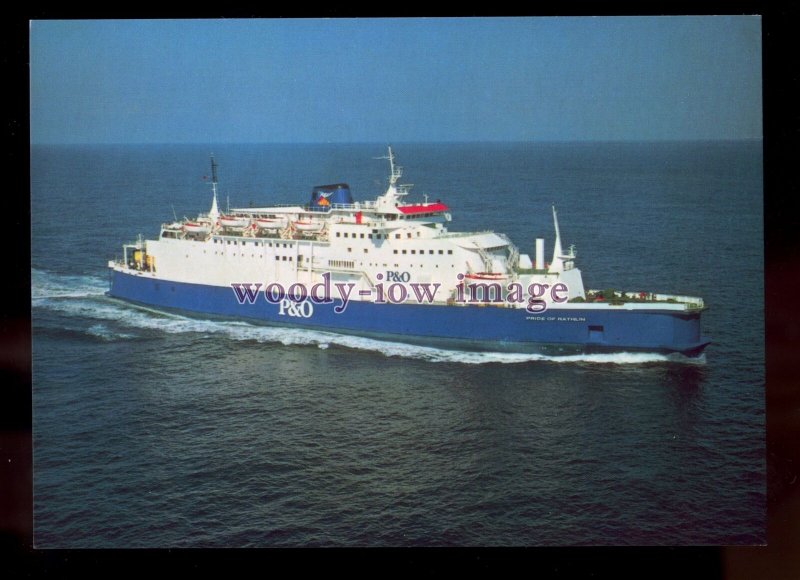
<point>227,221</point>
<point>270,224</point>
<point>307,226</point>
<point>196,228</point>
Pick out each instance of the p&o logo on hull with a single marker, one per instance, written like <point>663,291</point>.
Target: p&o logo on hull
<point>304,309</point>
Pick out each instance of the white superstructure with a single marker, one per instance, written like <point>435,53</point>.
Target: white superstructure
<point>360,244</point>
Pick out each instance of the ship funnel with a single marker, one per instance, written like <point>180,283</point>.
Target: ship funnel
<point>540,254</point>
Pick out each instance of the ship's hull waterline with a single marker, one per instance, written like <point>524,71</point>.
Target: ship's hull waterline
<point>469,327</point>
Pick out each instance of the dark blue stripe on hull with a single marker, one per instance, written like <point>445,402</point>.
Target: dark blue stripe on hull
<point>470,327</point>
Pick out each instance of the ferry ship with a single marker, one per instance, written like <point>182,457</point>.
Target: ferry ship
<point>391,270</point>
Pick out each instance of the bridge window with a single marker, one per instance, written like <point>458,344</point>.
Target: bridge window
<point>397,236</point>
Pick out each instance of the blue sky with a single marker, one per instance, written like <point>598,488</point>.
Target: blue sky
<point>392,80</point>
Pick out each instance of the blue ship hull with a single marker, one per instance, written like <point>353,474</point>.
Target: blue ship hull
<point>471,327</point>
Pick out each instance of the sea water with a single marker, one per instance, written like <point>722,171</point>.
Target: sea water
<point>156,430</point>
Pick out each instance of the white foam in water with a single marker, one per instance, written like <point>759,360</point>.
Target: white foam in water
<point>431,354</point>
<point>104,332</point>
<point>46,286</point>
<point>84,297</point>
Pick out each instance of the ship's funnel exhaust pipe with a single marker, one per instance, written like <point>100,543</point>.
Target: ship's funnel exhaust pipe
<point>540,254</point>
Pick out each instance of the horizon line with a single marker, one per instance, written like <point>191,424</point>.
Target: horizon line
<point>404,141</point>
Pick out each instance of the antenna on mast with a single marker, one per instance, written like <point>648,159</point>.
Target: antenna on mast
<point>391,198</point>
<point>395,171</point>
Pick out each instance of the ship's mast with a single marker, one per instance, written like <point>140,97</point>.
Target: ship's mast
<point>390,197</point>
<point>395,171</point>
<point>560,261</point>
<point>556,264</point>
<point>214,213</point>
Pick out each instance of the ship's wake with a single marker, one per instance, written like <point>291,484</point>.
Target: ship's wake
<point>83,299</point>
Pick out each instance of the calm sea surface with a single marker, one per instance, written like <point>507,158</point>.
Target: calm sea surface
<point>154,430</point>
